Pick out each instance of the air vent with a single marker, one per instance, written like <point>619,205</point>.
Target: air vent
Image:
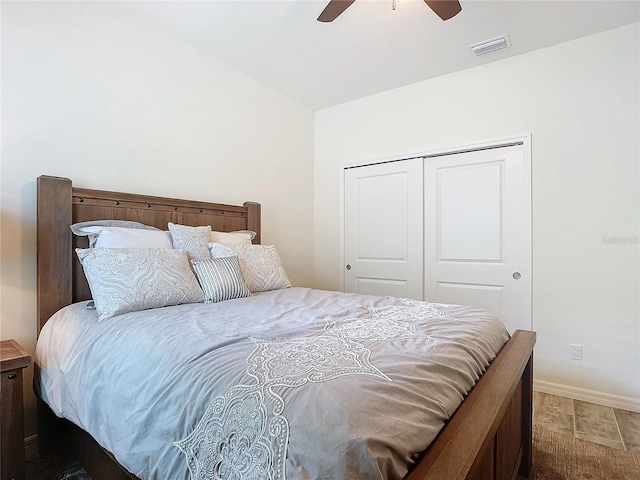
<point>491,45</point>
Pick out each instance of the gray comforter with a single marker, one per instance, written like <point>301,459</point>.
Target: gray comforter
<point>294,383</point>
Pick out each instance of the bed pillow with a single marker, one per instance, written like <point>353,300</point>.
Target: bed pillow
<point>78,228</point>
<point>121,237</point>
<point>126,280</point>
<point>192,239</point>
<point>240,237</point>
<point>260,265</point>
<point>220,279</point>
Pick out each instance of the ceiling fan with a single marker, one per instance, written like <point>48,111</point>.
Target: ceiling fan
<point>445,9</point>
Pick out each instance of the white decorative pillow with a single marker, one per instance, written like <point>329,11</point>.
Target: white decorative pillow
<point>240,237</point>
<point>126,280</point>
<point>78,228</point>
<point>192,239</point>
<point>260,265</point>
<point>121,237</point>
<point>220,279</point>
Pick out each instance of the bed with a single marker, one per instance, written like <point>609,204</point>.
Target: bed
<point>488,436</point>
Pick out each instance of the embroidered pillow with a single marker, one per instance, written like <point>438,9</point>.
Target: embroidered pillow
<point>126,280</point>
<point>220,279</point>
<point>192,239</point>
<point>260,265</point>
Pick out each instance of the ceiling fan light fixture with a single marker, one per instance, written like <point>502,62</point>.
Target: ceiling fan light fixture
<point>491,45</point>
<point>445,9</point>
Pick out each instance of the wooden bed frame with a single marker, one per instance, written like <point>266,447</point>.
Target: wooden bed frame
<point>488,437</point>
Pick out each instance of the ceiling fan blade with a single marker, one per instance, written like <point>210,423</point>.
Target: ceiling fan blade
<point>333,9</point>
<point>445,9</point>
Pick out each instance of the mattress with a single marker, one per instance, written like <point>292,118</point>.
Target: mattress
<point>288,384</point>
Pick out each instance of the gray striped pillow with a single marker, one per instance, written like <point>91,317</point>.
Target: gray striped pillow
<point>220,279</point>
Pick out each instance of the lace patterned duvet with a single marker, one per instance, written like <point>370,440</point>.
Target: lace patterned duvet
<point>286,384</point>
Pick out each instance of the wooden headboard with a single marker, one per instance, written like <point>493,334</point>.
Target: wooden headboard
<point>61,280</point>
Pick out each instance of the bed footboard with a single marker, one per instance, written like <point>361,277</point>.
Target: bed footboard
<point>490,435</point>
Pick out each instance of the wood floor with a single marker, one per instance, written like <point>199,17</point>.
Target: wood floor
<point>587,421</point>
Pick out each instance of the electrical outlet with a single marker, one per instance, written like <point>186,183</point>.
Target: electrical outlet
<point>576,351</point>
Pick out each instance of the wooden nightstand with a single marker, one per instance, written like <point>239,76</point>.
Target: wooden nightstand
<point>13,359</point>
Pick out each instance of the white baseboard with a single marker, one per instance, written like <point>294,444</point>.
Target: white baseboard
<point>601,398</point>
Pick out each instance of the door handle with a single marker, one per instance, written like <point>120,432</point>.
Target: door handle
<point>516,275</point>
<point>348,267</point>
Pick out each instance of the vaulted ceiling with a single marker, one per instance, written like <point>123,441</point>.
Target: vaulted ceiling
<point>370,47</point>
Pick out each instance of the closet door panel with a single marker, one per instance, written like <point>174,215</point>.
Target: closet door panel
<point>469,217</point>
<point>478,232</point>
<point>383,229</point>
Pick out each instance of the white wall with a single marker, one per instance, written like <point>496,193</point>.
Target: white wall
<point>580,102</point>
<point>115,104</point>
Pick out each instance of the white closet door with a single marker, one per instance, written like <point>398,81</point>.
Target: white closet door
<point>383,229</point>
<point>478,232</point>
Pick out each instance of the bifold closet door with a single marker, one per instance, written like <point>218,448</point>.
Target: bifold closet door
<point>478,232</point>
<point>383,229</point>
